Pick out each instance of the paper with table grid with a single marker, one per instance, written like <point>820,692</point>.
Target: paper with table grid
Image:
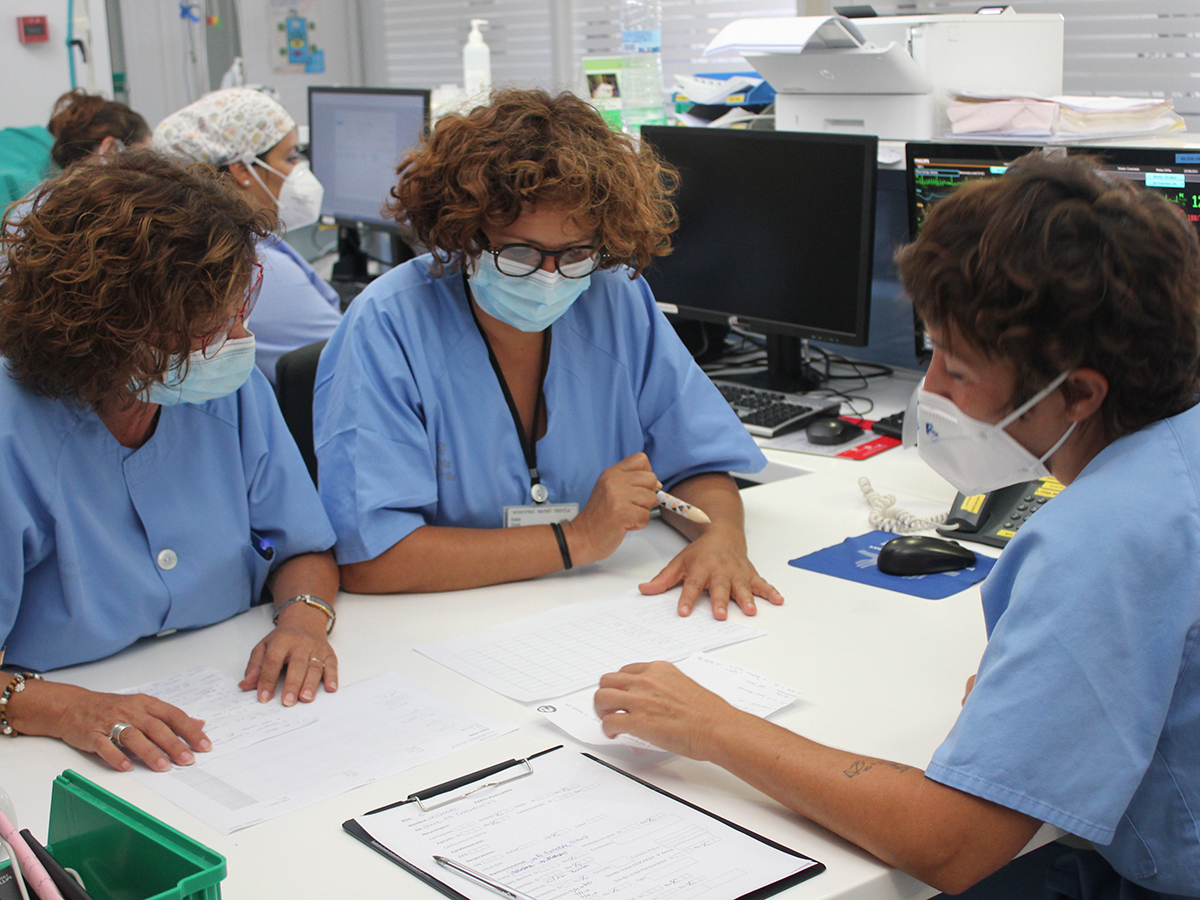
<point>566,649</point>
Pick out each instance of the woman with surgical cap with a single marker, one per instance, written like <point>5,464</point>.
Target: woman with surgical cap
<point>246,134</point>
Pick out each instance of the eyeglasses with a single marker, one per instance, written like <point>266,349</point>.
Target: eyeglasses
<point>519,260</point>
<point>214,341</point>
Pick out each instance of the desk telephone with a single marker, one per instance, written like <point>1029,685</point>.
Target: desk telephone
<point>994,518</point>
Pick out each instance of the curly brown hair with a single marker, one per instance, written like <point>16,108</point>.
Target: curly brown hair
<point>116,267</point>
<point>489,166</point>
<point>80,121</point>
<point>1056,267</point>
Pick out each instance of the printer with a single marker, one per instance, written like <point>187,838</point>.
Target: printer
<point>892,76</point>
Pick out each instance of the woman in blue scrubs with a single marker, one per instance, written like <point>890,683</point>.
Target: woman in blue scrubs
<point>521,374</point>
<point>1064,308</point>
<point>148,482</point>
<point>253,139</point>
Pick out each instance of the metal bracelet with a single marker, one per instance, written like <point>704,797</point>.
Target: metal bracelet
<point>309,600</point>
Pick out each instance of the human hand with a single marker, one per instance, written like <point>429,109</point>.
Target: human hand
<point>658,703</point>
<point>160,733</point>
<point>621,501</point>
<point>299,644</point>
<point>716,560</point>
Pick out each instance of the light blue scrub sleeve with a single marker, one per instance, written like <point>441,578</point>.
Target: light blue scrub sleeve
<point>295,308</point>
<point>23,540</point>
<point>284,506</point>
<point>376,467</point>
<point>689,428</point>
<point>1091,606</point>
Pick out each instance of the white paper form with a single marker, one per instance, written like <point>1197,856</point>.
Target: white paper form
<point>576,828</point>
<point>563,650</point>
<point>233,718</point>
<point>741,687</point>
<point>363,732</point>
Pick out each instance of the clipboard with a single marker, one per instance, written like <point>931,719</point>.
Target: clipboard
<point>667,830</point>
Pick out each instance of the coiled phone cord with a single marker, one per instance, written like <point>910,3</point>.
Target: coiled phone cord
<point>885,517</point>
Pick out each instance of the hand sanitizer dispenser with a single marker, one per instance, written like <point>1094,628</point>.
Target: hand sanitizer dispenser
<point>477,62</point>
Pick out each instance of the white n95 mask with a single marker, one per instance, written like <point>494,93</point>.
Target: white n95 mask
<point>977,457</point>
<point>300,195</point>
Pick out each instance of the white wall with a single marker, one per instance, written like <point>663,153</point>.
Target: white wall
<point>38,73</point>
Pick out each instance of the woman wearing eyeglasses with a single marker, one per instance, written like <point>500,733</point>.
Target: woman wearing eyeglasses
<point>147,480</point>
<point>521,374</point>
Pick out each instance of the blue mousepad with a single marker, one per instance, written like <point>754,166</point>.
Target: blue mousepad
<point>854,559</point>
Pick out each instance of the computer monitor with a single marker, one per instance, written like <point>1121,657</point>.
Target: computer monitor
<point>356,138</point>
<point>936,169</point>
<point>776,235</point>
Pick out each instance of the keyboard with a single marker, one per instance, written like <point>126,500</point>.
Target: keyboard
<point>770,413</point>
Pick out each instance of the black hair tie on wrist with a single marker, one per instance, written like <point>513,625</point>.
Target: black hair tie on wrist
<point>562,544</point>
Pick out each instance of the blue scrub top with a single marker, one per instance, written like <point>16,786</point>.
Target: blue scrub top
<point>412,427</point>
<point>1086,710</point>
<point>101,545</point>
<point>296,306</point>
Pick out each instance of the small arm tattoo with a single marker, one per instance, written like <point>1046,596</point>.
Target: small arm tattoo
<point>862,766</point>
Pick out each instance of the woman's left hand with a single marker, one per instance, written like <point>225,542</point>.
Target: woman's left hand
<point>716,561</point>
<point>298,644</point>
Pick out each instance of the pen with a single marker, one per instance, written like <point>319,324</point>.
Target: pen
<point>479,877</point>
<point>675,505</point>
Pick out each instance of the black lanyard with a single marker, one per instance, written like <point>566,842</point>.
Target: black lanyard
<point>537,490</point>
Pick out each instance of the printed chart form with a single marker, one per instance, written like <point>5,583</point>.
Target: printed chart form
<point>567,649</point>
<point>366,731</point>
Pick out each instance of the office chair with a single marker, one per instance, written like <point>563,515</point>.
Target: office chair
<point>295,377</point>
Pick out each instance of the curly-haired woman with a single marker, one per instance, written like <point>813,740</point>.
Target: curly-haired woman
<point>522,372</point>
<point>147,480</point>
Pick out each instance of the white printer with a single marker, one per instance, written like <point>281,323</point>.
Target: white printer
<point>891,76</point>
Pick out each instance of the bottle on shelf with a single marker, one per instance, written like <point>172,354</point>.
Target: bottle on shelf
<point>641,64</point>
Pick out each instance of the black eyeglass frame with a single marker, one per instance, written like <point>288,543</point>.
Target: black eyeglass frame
<point>598,257</point>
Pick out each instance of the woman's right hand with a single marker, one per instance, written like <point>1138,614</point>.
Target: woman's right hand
<point>621,501</point>
<point>161,733</point>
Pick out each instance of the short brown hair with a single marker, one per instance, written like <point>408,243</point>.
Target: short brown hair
<point>80,121</point>
<point>494,163</point>
<point>1054,267</point>
<point>118,264</point>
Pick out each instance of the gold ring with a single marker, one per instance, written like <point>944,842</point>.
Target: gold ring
<point>320,662</point>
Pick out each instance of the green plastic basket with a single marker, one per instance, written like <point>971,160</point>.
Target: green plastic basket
<point>121,853</point>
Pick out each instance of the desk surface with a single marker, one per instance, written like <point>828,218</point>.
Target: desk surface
<point>882,674</point>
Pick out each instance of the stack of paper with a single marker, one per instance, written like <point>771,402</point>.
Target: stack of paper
<point>1059,118</point>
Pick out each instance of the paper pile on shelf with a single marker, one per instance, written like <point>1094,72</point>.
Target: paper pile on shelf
<point>1061,118</point>
<point>699,89</point>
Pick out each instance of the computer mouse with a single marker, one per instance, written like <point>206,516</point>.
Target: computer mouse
<point>831,431</point>
<point>914,554</point>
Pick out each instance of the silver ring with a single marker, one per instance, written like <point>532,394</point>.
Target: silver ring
<point>116,731</point>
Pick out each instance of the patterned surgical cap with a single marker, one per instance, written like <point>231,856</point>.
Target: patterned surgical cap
<point>224,127</point>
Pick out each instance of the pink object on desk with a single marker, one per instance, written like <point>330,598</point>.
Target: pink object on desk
<point>34,872</point>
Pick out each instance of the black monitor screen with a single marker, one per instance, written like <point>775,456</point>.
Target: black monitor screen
<point>776,231</point>
<point>356,137</point>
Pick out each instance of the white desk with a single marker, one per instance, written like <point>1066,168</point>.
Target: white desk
<point>882,674</point>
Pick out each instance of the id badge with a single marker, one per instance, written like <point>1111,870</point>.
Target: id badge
<point>544,514</point>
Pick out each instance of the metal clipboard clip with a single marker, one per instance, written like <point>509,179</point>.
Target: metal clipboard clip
<point>421,796</point>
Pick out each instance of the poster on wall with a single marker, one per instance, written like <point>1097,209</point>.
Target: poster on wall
<point>294,49</point>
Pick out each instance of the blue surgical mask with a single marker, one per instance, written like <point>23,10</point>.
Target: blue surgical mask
<point>206,379</point>
<point>530,303</point>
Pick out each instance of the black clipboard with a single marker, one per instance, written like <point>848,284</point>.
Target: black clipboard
<point>355,830</point>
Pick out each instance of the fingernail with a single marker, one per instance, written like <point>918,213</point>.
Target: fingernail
<point>264,697</point>
<point>289,699</point>
<point>126,765</point>
<point>162,765</point>
<point>331,686</point>
<point>205,745</point>
<point>186,758</point>
<point>306,695</point>
<point>684,610</point>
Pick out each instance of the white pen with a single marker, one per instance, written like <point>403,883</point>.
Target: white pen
<point>490,883</point>
<point>675,505</point>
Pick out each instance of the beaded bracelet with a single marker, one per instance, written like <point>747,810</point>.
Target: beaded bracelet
<point>14,687</point>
